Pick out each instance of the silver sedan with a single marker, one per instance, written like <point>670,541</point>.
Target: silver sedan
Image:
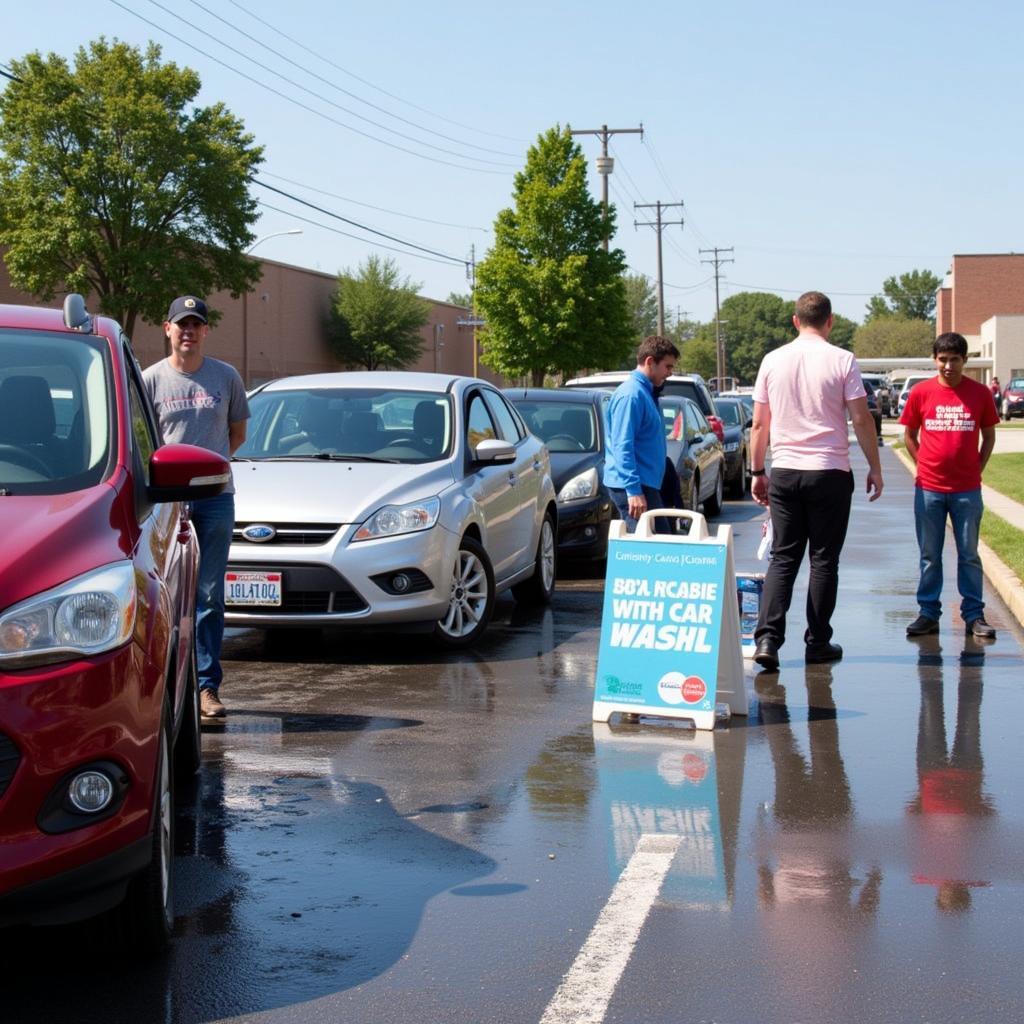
<point>388,498</point>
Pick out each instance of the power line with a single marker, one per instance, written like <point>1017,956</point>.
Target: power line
<point>716,261</point>
<point>334,85</point>
<point>659,225</point>
<point>800,291</point>
<point>370,206</point>
<point>7,74</point>
<point>355,223</point>
<point>321,97</point>
<point>605,163</point>
<point>366,82</point>
<point>298,103</point>
<point>348,234</point>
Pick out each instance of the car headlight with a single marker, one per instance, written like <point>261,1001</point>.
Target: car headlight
<point>579,487</point>
<point>732,446</point>
<point>92,613</point>
<point>393,520</point>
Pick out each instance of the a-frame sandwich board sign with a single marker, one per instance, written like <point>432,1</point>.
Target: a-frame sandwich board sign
<point>670,628</point>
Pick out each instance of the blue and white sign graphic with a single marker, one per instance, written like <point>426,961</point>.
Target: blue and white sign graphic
<point>661,625</point>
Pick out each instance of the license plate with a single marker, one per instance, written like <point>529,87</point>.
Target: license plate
<point>252,588</point>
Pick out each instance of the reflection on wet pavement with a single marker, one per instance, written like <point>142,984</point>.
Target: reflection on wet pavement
<point>386,833</point>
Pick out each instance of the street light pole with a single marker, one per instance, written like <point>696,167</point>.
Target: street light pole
<point>245,303</point>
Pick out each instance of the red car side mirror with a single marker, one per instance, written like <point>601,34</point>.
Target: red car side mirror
<point>184,472</point>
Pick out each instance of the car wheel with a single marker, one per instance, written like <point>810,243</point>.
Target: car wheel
<point>188,748</point>
<point>143,922</point>
<point>539,588</point>
<point>738,487</point>
<point>472,597</point>
<point>713,506</point>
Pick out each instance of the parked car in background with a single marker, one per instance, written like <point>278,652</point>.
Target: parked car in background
<point>737,422</point>
<point>688,385</point>
<point>399,499</point>
<point>696,452</point>
<point>99,705</point>
<point>876,413</point>
<point>908,384</point>
<point>883,393</point>
<point>572,424</point>
<point>1013,399</point>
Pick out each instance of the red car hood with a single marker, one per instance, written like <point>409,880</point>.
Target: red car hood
<point>47,539</point>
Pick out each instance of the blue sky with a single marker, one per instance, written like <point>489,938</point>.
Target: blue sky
<point>830,145</point>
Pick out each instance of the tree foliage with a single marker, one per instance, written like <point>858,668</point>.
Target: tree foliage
<point>553,299</point>
<point>697,355</point>
<point>843,330</point>
<point>376,319</point>
<point>460,299</point>
<point>111,182</point>
<point>911,296</point>
<point>753,323</point>
<point>642,300</point>
<point>893,337</point>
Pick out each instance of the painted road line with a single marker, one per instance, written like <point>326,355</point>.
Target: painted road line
<point>587,989</point>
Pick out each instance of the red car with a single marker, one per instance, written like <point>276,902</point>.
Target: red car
<point>98,702</point>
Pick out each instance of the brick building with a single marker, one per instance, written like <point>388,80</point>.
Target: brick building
<point>982,298</point>
<point>279,328</point>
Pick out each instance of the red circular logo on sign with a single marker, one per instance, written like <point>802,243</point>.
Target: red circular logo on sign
<point>694,767</point>
<point>694,690</point>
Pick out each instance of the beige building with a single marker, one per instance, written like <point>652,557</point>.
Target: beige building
<point>279,328</point>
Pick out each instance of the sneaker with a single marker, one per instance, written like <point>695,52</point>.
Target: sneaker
<point>210,705</point>
<point>922,626</point>
<point>980,628</point>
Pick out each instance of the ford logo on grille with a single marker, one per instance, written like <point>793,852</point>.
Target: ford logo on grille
<point>259,532</point>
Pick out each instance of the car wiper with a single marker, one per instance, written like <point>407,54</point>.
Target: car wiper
<point>324,457</point>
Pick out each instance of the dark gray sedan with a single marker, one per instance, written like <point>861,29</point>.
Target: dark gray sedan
<point>696,452</point>
<point>736,422</point>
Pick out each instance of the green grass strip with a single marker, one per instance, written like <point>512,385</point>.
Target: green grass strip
<point>1005,540</point>
<point>1005,474</point>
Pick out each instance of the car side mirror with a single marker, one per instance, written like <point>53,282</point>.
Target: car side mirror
<point>185,472</point>
<point>494,451</point>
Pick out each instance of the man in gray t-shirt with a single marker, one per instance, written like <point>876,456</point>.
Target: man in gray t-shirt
<point>202,401</point>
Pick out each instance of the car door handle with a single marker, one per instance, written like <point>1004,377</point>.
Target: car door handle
<point>511,479</point>
<point>537,464</point>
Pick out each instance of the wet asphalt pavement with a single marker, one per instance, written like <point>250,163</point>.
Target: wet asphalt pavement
<point>384,833</point>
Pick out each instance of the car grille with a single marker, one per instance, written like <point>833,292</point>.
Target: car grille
<point>307,590</point>
<point>290,533</point>
<point>9,758</point>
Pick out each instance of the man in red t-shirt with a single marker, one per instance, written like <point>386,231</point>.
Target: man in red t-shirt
<point>942,421</point>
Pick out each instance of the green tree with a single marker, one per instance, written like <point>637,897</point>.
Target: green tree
<point>753,323</point>
<point>642,300</point>
<point>376,319</point>
<point>553,299</point>
<point>893,337</point>
<point>843,330</point>
<point>911,296</point>
<point>460,299</point>
<point>111,182</point>
<point>697,355</point>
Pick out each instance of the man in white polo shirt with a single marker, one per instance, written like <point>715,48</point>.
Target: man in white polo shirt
<point>801,397</point>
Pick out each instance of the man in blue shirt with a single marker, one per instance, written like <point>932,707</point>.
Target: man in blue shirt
<point>634,464</point>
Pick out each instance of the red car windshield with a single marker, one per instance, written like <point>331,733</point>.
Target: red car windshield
<point>55,411</point>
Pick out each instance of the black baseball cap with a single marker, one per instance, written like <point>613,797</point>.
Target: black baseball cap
<point>187,305</point>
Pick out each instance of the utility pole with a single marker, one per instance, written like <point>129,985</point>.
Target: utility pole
<point>472,320</point>
<point>717,261</point>
<point>658,224</point>
<point>605,163</point>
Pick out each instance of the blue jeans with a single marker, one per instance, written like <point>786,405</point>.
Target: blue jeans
<point>213,519</point>
<point>963,508</point>
<point>654,500</point>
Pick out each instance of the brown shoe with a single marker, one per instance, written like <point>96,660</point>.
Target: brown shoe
<point>210,705</point>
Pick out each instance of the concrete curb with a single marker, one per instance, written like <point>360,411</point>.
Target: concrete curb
<point>1003,579</point>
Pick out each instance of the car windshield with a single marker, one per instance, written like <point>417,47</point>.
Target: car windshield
<point>730,413</point>
<point>357,424</point>
<point>1017,384</point>
<point>562,426</point>
<point>55,411</point>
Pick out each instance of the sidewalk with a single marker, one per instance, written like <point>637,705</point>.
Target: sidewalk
<point>1006,582</point>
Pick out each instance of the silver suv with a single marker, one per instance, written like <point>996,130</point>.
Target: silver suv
<point>689,385</point>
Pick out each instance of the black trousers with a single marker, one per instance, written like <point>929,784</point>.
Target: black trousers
<point>810,509</point>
